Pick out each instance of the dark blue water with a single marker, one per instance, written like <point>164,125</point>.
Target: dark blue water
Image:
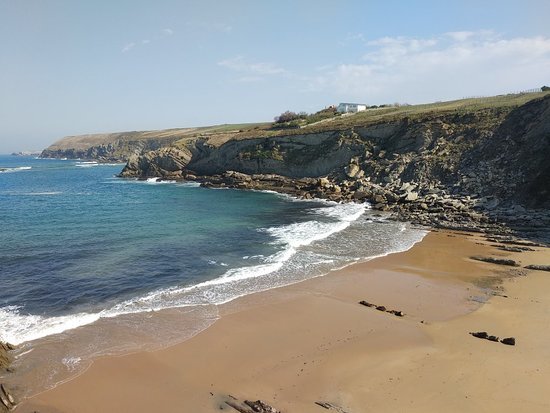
<point>78,244</point>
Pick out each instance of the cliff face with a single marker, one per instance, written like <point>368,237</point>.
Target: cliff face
<point>294,156</point>
<point>112,147</point>
<point>501,153</point>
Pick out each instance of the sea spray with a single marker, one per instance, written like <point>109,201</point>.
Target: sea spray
<point>110,265</point>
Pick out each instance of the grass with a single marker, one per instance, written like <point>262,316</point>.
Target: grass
<point>217,135</point>
<point>380,115</point>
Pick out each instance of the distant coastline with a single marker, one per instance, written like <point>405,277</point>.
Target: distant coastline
<point>26,153</point>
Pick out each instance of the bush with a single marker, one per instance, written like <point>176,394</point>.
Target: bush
<point>545,88</point>
<point>290,119</point>
<point>287,116</point>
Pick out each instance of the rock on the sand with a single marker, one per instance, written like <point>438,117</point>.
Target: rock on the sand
<point>538,267</point>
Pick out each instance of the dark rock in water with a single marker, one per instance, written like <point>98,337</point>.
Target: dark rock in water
<point>480,334</point>
<point>366,303</point>
<point>397,313</point>
<point>538,267</point>
<point>511,341</point>
<point>499,261</point>
<point>492,338</point>
<point>381,308</point>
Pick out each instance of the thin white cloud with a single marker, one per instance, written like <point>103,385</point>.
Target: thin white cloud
<point>163,34</point>
<point>240,64</point>
<point>209,26</point>
<point>450,65</point>
<point>128,47</point>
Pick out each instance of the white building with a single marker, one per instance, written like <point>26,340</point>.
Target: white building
<point>351,107</point>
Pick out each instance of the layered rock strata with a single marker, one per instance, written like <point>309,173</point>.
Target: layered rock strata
<point>457,169</point>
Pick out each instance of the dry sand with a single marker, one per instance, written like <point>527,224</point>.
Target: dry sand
<point>313,342</point>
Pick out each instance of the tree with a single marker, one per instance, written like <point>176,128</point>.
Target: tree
<point>545,88</point>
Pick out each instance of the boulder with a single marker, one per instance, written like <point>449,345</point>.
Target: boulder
<point>323,182</point>
<point>411,196</point>
<point>352,170</point>
<point>510,341</point>
<point>407,187</point>
<point>360,195</point>
<point>236,177</point>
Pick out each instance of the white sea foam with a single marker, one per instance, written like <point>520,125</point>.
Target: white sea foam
<point>296,259</point>
<point>158,181</point>
<point>304,233</point>
<point>18,328</point>
<point>86,164</point>
<point>15,169</point>
<point>189,184</point>
<point>91,164</point>
<point>46,193</point>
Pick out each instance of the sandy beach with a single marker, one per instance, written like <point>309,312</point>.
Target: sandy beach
<point>313,342</point>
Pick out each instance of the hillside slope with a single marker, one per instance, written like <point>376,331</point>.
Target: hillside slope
<point>459,167</point>
<point>119,146</point>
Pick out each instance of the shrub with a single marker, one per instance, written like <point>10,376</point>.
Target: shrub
<point>287,116</point>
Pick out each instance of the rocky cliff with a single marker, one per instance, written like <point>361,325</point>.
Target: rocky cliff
<point>112,147</point>
<point>418,163</point>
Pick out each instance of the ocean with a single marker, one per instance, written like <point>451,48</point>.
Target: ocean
<point>92,264</point>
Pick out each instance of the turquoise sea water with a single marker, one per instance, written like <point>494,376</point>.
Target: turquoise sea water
<point>79,245</point>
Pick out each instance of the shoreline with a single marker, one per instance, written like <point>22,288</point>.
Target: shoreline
<point>66,358</point>
<point>272,324</point>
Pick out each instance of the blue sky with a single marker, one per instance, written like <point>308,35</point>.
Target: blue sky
<point>75,67</point>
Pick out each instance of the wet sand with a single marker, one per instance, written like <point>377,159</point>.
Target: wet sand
<point>312,341</point>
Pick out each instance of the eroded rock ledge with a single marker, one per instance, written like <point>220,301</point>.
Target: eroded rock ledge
<point>429,207</point>
<point>482,170</point>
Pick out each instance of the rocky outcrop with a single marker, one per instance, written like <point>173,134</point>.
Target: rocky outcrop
<point>164,162</point>
<point>4,355</point>
<point>499,261</point>
<point>7,401</point>
<point>461,169</point>
<point>111,147</point>
<point>538,267</point>
<point>293,156</point>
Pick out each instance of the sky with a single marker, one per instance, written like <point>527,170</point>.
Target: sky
<point>76,67</point>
